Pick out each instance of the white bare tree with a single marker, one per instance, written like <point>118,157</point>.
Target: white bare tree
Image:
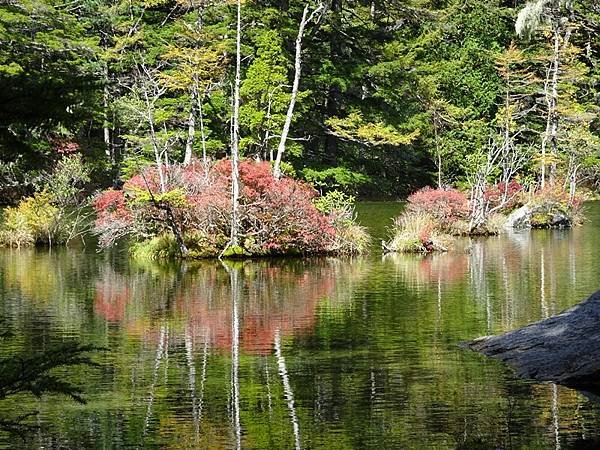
<point>306,18</point>
<point>235,134</point>
<point>556,14</point>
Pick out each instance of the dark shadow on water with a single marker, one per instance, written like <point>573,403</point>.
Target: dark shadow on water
<point>38,374</point>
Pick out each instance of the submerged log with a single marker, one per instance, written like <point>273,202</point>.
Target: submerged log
<point>564,348</point>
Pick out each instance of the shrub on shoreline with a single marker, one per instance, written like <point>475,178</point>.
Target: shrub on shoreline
<point>446,206</point>
<point>277,217</point>
<point>552,202</point>
<point>54,215</point>
<point>433,216</point>
<point>417,232</point>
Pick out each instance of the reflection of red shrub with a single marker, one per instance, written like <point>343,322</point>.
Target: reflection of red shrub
<point>111,301</point>
<point>445,205</point>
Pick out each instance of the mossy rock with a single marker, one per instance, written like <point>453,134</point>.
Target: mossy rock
<point>235,251</point>
<point>541,215</point>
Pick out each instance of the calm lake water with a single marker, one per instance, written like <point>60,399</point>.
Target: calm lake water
<point>311,353</point>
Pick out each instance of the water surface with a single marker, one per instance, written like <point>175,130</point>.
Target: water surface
<point>312,353</point>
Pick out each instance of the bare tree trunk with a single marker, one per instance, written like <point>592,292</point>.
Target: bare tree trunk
<point>506,143</point>
<point>551,93</point>
<point>573,169</point>
<point>553,103</point>
<point>189,144</point>
<point>165,206</point>
<point>153,137</point>
<point>295,87</point>
<point>105,126</point>
<point>235,188</point>
<point>157,154</point>
<point>334,95</point>
<point>478,204</point>
<point>202,134</point>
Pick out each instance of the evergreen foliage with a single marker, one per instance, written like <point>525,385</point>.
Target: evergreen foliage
<point>393,96</point>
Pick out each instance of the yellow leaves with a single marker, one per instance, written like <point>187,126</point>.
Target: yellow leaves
<point>33,219</point>
<point>154,3</point>
<point>512,56</point>
<point>379,134</point>
<point>175,198</point>
<point>11,69</point>
<point>354,128</point>
<point>547,160</point>
<point>193,66</point>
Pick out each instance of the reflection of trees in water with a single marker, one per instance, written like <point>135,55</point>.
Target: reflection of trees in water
<point>240,310</point>
<point>421,272</point>
<point>167,325</point>
<point>516,278</point>
<point>50,284</point>
<point>276,297</point>
<point>385,367</point>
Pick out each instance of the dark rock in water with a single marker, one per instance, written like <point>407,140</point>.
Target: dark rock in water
<point>563,348</point>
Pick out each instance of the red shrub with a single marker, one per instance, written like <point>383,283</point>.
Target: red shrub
<point>113,217</point>
<point>63,146</point>
<point>557,195</point>
<point>276,216</point>
<point>496,195</point>
<point>149,180</point>
<point>445,205</point>
<point>425,233</point>
<point>110,204</point>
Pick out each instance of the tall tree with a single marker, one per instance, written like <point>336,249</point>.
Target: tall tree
<point>306,18</point>
<point>558,14</point>
<point>235,132</point>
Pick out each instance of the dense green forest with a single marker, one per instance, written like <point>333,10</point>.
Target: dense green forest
<point>392,96</point>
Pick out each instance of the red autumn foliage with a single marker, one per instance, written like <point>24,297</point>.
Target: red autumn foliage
<point>445,205</point>
<point>501,193</point>
<point>276,216</point>
<point>64,146</point>
<point>148,180</point>
<point>113,218</point>
<point>557,195</point>
<point>110,201</point>
<point>425,233</point>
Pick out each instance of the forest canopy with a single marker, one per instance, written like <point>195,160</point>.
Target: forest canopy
<point>393,95</point>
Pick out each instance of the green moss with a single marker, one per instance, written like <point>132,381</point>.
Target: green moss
<point>165,246</point>
<point>234,251</point>
<point>159,247</point>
